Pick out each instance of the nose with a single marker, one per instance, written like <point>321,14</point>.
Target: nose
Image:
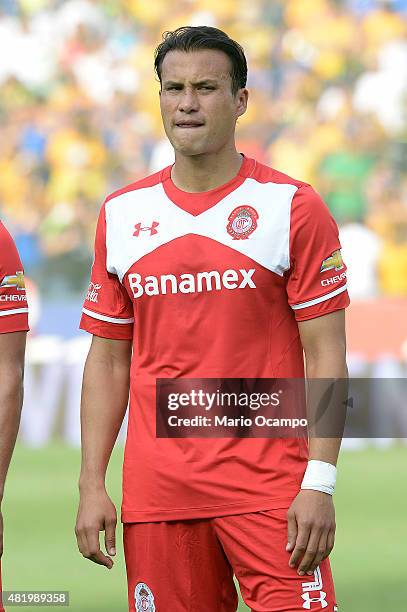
<point>188,101</point>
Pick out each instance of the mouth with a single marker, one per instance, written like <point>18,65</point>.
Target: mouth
<point>188,125</point>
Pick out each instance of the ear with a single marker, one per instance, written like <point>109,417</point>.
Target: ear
<point>242,97</point>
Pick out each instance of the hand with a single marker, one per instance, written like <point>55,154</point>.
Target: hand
<point>311,530</point>
<point>96,513</point>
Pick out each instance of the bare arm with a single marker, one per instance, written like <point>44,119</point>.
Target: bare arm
<point>105,392</point>
<point>324,343</point>
<point>311,517</point>
<point>12,349</point>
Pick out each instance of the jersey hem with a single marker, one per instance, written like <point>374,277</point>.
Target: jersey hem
<point>112,331</point>
<point>306,316</point>
<point>15,322</point>
<point>12,330</point>
<point>320,299</point>
<point>181,514</point>
<point>106,318</point>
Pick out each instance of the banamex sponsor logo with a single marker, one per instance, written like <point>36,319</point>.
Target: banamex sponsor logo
<point>191,283</point>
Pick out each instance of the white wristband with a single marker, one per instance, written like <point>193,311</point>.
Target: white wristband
<point>320,476</point>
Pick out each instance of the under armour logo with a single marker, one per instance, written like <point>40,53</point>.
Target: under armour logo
<point>309,600</point>
<point>151,229</point>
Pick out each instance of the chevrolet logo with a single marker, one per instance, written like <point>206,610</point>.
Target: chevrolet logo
<point>14,281</point>
<point>333,261</point>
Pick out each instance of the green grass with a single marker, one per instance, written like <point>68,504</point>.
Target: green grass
<point>369,559</point>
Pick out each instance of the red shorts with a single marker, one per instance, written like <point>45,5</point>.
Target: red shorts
<point>188,566</point>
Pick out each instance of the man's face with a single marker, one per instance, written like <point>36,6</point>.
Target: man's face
<point>198,107</point>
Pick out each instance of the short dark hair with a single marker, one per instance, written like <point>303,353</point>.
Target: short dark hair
<point>193,38</point>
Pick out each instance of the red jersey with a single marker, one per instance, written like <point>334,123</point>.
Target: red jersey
<point>13,298</point>
<point>211,285</point>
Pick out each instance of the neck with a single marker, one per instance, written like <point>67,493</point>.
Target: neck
<point>197,173</point>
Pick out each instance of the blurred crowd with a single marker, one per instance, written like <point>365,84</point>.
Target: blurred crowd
<point>80,117</point>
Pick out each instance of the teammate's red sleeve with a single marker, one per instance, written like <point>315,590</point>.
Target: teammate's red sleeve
<point>107,310</point>
<point>316,282</point>
<point>13,298</point>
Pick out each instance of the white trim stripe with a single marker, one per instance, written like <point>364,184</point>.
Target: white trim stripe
<point>327,296</point>
<point>101,317</point>
<point>316,585</point>
<point>3,313</point>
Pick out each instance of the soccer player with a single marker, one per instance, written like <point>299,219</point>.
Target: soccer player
<point>216,266</point>
<point>13,331</point>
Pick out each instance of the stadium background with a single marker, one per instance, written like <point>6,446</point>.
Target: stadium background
<point>79,118</point>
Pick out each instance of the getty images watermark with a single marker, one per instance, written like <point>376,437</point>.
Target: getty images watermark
<point>280,407</point>
<point>224,401</point>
